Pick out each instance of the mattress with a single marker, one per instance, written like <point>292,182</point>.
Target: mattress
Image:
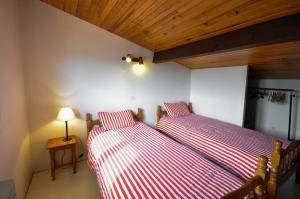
<point>231,146</point>
<point>140,162</point>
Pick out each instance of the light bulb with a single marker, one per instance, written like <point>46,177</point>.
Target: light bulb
<point>128,59</point>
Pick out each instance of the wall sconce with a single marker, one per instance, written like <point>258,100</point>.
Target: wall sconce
<point>138,68</point>
<point>130,59</point>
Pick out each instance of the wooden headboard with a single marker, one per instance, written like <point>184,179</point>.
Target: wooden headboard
<point>90,123</point>
<point>160,112</point>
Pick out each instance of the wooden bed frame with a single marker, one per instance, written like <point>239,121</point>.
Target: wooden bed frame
<point>285,162</point>
<point>90,123</point>
<point>160,112</point>
<point>255,185</point>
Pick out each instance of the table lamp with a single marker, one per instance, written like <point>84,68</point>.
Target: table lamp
<point>66,114</point>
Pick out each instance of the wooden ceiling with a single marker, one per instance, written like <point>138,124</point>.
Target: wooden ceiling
<point>164,24</point>
<point>270,61</point>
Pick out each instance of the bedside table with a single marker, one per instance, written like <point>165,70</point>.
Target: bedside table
<point>57,144</point>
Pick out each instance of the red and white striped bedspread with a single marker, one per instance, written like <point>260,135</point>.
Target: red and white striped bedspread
<point>140,162</point>
<point>232,146</point>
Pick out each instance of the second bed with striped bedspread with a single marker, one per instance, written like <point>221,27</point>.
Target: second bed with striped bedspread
<point>234,147</point>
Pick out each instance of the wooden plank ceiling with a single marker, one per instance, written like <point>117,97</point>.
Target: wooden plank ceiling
<point>163,24</point>
<point>270,61</point>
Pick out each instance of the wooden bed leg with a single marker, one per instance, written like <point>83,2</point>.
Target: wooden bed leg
<point>89,122</point>
<point>274,177</point>
<point>139,114</point>
<point>158,113</point>
<point>190,107</point>
<point>261,171</point>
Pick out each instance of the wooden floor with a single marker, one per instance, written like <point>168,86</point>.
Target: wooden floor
<point>83,185</point>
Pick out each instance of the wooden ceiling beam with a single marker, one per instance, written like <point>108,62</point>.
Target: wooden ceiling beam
<point>280,30</point>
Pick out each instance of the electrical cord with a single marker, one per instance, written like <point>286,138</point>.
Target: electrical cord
<point>82,148</point>
<point>80,155</point>
<point>62,157</point>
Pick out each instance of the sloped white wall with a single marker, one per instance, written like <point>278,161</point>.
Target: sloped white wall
<point>220,93</point>
<point>69,62</point>
<point>15,160</point>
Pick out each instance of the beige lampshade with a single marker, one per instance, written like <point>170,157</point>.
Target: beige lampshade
<point>66,114</point>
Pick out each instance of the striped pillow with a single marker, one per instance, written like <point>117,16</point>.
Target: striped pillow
<point>115,120</point>
<point>176,109</point>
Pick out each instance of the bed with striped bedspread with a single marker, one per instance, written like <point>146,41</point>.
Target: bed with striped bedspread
<point>140,162</point>
<point>234,147</point>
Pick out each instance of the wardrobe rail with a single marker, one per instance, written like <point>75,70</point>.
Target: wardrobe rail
<point>292,95</point>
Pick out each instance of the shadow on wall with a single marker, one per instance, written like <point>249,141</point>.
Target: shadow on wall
<point>250,113</point>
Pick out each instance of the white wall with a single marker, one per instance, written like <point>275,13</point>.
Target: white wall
<point>15,160</point>
<point>272,118</point>
<point>69,62</point>
<point>220,93</point>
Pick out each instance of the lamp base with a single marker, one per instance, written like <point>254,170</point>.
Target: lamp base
<point>65,139</point>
